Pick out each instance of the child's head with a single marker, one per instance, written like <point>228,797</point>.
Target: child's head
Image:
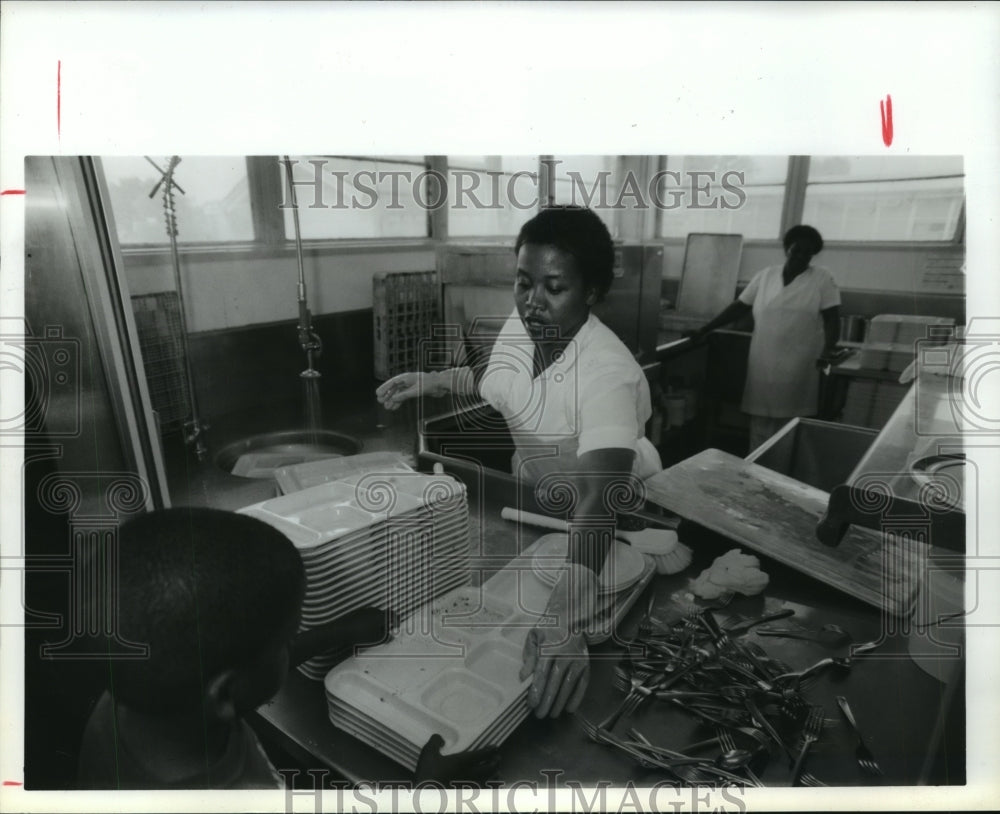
<point>217,598</point>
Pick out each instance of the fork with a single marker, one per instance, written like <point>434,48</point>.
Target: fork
<point>810,734</point>
<point>728,744</point>
<point>623,679</point>
<point>866,760</point>
<point>761,720</point>
<point>641,689</point>
<point>693,770</point>
<point>646,626</point>
<point>795,679</point>
<point>600,735</point>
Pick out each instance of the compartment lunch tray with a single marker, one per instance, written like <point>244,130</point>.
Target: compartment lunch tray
<point>453,668</point>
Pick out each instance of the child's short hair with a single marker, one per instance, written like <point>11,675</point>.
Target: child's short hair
<point>207,590</point>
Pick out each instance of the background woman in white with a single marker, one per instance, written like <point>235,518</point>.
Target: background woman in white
<point>576,403</point>
<point>796,313</point>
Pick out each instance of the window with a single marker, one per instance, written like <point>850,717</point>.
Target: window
<point>596,182</point>
<point>491,195</point>
<point>214,205</point>
<point>357,197</point>
<point>911,198</point>
<point>722,193</point>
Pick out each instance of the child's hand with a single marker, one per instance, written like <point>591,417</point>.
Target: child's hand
<point>474,766</point>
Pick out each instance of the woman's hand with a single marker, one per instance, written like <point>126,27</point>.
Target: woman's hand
<point>405,386</point>
<point>556,655</point>
<point>559,660</point>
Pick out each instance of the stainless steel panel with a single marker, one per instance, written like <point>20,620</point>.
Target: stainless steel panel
<point>819,453</point>
<point>708,278</point>
<point>73,306</point>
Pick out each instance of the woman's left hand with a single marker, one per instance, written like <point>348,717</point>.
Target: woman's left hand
<point>555,655</point>
<point>560,663</point>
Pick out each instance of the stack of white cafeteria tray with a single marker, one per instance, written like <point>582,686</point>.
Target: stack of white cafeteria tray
<point>453,668</point>
<point>386,540</point>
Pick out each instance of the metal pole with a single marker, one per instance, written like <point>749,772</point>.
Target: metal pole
<point>197,429</point>
<point>308,339</point>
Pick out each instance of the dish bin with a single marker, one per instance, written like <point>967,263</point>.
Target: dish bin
<point>821,454</point>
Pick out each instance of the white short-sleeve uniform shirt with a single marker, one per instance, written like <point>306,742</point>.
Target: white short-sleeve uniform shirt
<point>782,377</point>
<point>594,397</point>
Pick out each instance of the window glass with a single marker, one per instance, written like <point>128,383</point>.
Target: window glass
<point>214,206</point>
<point>730,194</point>
<point>358,197</point>
<point>597,182</point>
<point>491,194</point>
<point>885,197</point>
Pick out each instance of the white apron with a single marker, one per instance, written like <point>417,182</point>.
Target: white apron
<point>782,377</point>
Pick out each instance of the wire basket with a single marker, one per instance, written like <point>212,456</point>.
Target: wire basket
<point>405,310</point>
<point>158,324</point>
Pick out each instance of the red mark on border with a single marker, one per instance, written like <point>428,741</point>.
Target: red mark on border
<point>885,108</point>
<point>12,192</point>
<point>12,783</point>
<point>59,98</point>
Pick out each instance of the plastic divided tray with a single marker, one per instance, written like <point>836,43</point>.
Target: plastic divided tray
<point>381,539</point>
<point>332,510</point>
<point>313,473</point>
<point>453,668</point>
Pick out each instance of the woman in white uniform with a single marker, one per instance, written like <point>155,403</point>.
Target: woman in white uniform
<point>796,312</point>
<point>576,403</point>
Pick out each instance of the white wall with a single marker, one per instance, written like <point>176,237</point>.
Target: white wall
<point>222,291</point>
<point>228,291</point>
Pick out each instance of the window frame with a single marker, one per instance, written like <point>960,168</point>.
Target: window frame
<point>795,213</point>
<point>265,186</point>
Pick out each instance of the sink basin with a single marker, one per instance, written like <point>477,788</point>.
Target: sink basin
<point>257,456</point>
<point>819,453</point>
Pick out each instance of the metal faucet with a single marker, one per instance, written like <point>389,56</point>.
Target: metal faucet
<point>194,433</point>
<point>308,338</point>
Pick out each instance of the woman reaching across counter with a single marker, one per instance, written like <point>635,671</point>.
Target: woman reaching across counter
<point>796,311</point>
<point>576,403</point>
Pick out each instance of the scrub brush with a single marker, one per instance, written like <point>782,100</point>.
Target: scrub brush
<point>668,554</point>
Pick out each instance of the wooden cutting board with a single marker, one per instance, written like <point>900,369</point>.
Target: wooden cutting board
<point>776,516</point>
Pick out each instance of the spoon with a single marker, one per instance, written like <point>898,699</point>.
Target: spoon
<point>828,635</point>
<point>734,759</point>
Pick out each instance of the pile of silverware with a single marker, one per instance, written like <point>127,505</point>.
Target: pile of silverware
<point>754,702</point>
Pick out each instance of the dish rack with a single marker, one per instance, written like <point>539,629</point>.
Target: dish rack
<point>405,308</point>
<point>158,325</point>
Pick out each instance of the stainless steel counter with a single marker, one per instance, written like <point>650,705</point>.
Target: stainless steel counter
<point>901,706</point>
<point>905,712</point>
